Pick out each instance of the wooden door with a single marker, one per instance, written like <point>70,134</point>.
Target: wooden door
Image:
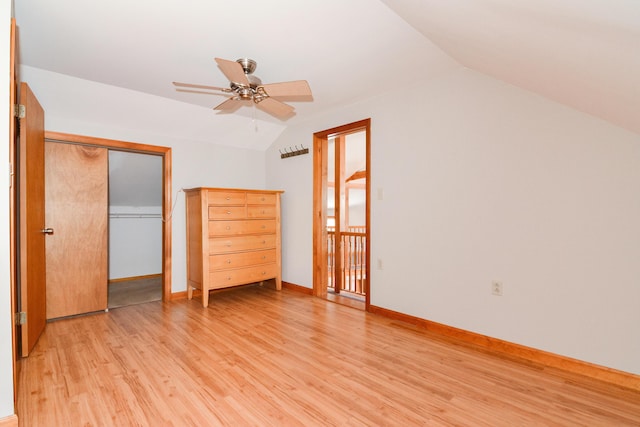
<point>77,210</point>
<point>31,218</point>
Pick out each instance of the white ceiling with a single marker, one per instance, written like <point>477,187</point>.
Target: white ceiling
<point>582,53</point>
<point>346,50</point>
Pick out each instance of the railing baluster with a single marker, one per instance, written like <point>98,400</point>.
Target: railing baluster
<point>331,261</point>
<point>354,259</point>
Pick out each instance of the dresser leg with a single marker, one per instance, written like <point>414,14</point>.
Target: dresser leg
<point>189,291</point>
<point>205,297</point>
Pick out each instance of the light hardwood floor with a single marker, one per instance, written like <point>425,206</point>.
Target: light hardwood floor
<point>260,357</point>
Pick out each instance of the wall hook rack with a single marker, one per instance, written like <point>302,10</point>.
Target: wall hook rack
<point>290,152</point>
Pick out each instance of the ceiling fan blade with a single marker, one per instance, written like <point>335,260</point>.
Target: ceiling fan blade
<point>230,105</point>
<point>297,88</point>
<point>189,85</point>
<point>233,71</point>
<point>276,108</point>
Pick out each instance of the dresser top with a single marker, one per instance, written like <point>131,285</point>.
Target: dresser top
<point>244,190</point>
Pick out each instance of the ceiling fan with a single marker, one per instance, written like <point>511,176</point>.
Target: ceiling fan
<point>246,87</point>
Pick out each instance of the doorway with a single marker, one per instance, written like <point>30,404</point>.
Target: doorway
<point>135,228</point>
<point>341,237</point>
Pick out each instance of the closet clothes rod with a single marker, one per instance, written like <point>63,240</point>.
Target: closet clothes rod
<point>135,215</point>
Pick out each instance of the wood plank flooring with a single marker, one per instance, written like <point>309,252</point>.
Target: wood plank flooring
<point>260,357</point>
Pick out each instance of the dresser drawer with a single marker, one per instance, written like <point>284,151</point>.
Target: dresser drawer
<point>225,278</point>
<point>227,212</point>
<point>221,245</point>
<point>237,260</point>
<point>226,198</point>
<point>233,228</point>
<point>261,199</point>
<point>265,211</point>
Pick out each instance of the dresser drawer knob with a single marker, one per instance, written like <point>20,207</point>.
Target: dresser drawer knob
<point>228,227</point>
<point>264,242</point>
<point>228,244</point>
<point>228,198</point>
<point>229,278</point>
<point>264,257</point>
<point>228,261</point>
<point>263,227</point>
<point>228,212</point>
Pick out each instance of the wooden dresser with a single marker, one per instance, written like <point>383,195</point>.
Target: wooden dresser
<point>233,238</point>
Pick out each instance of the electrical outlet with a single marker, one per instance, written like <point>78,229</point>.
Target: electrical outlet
<point>379,263</point>
<point>496,288</point>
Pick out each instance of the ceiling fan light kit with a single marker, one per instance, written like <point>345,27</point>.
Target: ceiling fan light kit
<point>246,87</point>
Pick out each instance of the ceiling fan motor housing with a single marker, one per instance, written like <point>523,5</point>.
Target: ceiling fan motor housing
<point>248,65</point>
<point>243,92</point>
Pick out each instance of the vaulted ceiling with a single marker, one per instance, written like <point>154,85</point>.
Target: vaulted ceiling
<point>582,53</point>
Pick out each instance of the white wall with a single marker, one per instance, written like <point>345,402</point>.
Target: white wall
<point>195,163</point>
<point>495,183</point>
<point>6,316</point>
<point>135,214</point>
<point>483,181</point>
<point>135,241</point>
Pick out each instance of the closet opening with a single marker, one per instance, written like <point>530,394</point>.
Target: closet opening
<point>135,228</point>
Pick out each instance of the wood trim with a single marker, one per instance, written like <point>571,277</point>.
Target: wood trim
<point>297,288</point>
<point>340,209</point>
<point>167,212</point>
<point>320,275</point>
<point>344,129</point>
<point>367,296</point>
<point>175,296</point>
<point>357,175</point>
<point>104,142</point>
<point>128,279</point>
<point>167,196</point>
<point>13,195</point>
<point>10,421</point>
<point>517,351</point>
<point>320,207</point>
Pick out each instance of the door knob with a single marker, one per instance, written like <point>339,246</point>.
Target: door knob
<point>47,231</point>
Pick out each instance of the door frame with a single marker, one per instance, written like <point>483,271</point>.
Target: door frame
<point>133,147</point>
<point>320,247</point>
<point>13,211</point>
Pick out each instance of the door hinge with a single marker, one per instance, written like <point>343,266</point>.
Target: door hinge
<point>21,318</point>
<point>19,111</point>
